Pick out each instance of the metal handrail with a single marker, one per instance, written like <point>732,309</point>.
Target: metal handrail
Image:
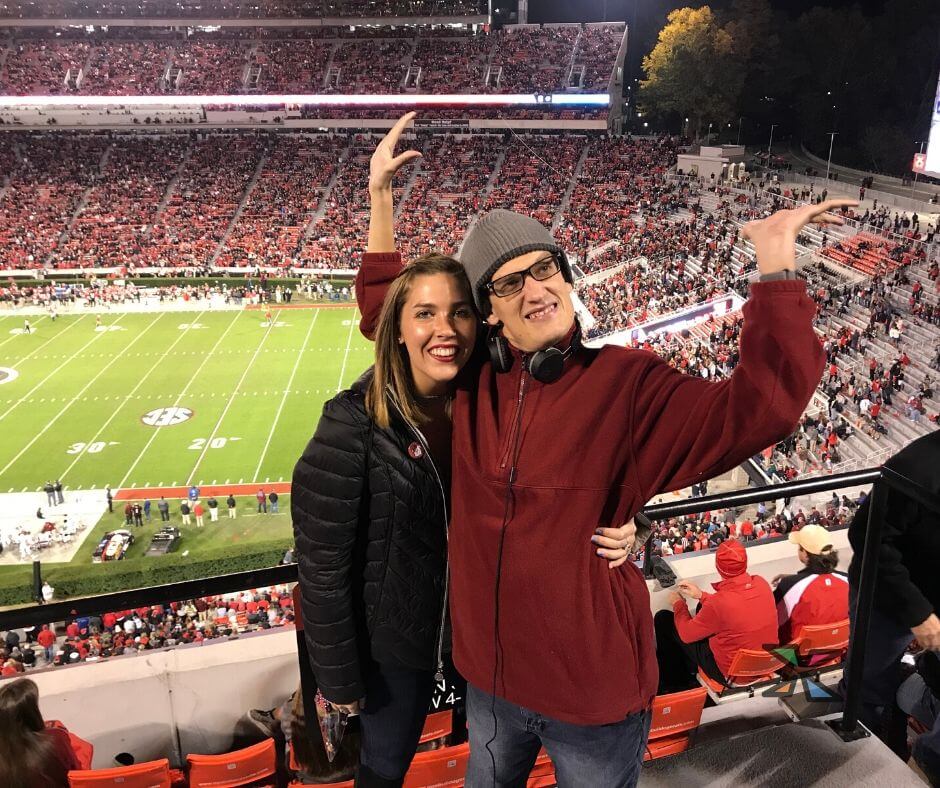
<point>847,727</point>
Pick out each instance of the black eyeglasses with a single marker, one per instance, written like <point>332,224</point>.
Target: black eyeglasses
<point>540,270</point>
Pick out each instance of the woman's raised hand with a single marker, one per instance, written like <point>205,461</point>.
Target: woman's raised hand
<point>384,163</point>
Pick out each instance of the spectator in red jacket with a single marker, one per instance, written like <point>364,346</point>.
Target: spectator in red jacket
<point>740,614</point>
<point>46,639</point>
<point>817,594</point>
<point>30,753</point>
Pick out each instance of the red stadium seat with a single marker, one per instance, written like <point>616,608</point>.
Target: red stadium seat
<point>437,725</point>
<point>434,768</point>
<point>749,669</point>
<point>543,772</point>
<point>231,769</point>
<point>674,717</point>
<point>153,774</point>
<point>824,644</point>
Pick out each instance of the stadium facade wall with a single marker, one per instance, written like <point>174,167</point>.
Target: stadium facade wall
<point>172,702</point>
<point>330,21</point>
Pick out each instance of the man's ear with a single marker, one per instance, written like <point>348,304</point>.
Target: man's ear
<point>492,320</point>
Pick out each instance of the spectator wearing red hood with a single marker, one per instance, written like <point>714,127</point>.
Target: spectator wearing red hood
<point>740,614</point>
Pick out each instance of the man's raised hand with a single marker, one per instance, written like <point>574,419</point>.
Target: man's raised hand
<point>774,238</point>
<point>384,163</point>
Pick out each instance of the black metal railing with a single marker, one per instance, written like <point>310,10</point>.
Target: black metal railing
<point>883,480</point>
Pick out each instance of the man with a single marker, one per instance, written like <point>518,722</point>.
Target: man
<point>199,511</point>
<point>184,512</point>
<point>147,510</point>
<point>272,497</point>
<point>138,515</point>
<point>740,614</point>
<point>558,649</point>
<point>164,508</point>
<point>232,506</point>
<point>262,499</point>
<point>193,493</point>
<point>817,594</point>
<point>60,498</point>
<point>110,497</point>
<point>46,637</point>
<point>213,505</point>
<point>907,586</point>
<point>27,328</point>
<point>49,489</point>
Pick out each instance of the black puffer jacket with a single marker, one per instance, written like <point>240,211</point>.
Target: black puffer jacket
<point>370,529</point>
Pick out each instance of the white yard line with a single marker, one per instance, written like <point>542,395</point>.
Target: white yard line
<point>228,404</point>
<point>290,382</point>
<point>76,398</point>
<point>14,336</point>
<point>157,430</point>
<point>143,379</point>
<point>59,368</point>
<point>51,339</point>
<point>342,372</point>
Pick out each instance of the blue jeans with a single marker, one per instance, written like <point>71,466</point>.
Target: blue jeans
<point>602,756</point>
<point>916,700</point>
<point>397,701</point>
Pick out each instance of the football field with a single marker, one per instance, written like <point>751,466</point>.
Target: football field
<point>168,398</point>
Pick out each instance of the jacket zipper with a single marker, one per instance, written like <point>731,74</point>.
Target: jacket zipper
<point>439,675</point>
<point>514,426</point>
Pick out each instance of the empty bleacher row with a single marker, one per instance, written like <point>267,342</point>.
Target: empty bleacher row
<point>156,61</point>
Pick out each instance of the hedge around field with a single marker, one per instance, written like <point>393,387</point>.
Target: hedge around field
<point>80,580</point>
<point>180,281</point>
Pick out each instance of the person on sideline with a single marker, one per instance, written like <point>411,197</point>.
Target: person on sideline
<point>548,663</point>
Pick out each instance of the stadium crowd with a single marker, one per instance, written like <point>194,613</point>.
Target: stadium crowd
<point>131,632</point>
<point>153,60</point>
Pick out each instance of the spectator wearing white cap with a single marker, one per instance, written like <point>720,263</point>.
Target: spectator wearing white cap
<point>817,594</point>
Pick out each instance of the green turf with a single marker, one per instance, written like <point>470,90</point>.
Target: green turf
<point>74,412</point>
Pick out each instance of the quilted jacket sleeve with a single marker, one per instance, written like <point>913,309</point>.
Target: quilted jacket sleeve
<point>326,495</point>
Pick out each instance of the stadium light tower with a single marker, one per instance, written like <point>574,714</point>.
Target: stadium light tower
<point>771,143</point>
<point>832,139</point>
<point>916,173</point>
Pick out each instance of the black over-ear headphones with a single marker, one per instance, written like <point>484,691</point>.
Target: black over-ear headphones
<point>545,366</point>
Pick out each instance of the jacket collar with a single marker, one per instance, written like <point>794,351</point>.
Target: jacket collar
<point>738,581</point>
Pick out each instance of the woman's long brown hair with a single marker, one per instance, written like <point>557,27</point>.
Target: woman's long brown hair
<point>27,756</point>
<point>392,366</point>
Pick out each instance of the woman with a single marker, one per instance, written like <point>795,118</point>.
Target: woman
<point>31,755</point>
<point>369,501</point>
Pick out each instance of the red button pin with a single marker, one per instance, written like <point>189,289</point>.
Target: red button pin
<point>415,451</point>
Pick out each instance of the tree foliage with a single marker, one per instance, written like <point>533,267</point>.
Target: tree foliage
<point>869,77</point>
<point>692,69</point>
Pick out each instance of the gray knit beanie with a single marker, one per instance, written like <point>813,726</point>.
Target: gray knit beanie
<point>497,237</point>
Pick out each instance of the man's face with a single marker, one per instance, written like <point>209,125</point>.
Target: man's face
<point>537,316</point>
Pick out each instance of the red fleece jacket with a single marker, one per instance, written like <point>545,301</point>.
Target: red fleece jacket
<point>741,614</point>
<point>576,638</point>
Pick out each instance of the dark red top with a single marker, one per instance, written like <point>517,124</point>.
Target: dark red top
<point>617,428</point>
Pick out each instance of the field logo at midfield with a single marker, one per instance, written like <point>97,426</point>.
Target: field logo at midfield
<point>166,417</point>
<point>187,326</point>
<point>7,374</point>
<point>100,329</point>
<point>275,324</point>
